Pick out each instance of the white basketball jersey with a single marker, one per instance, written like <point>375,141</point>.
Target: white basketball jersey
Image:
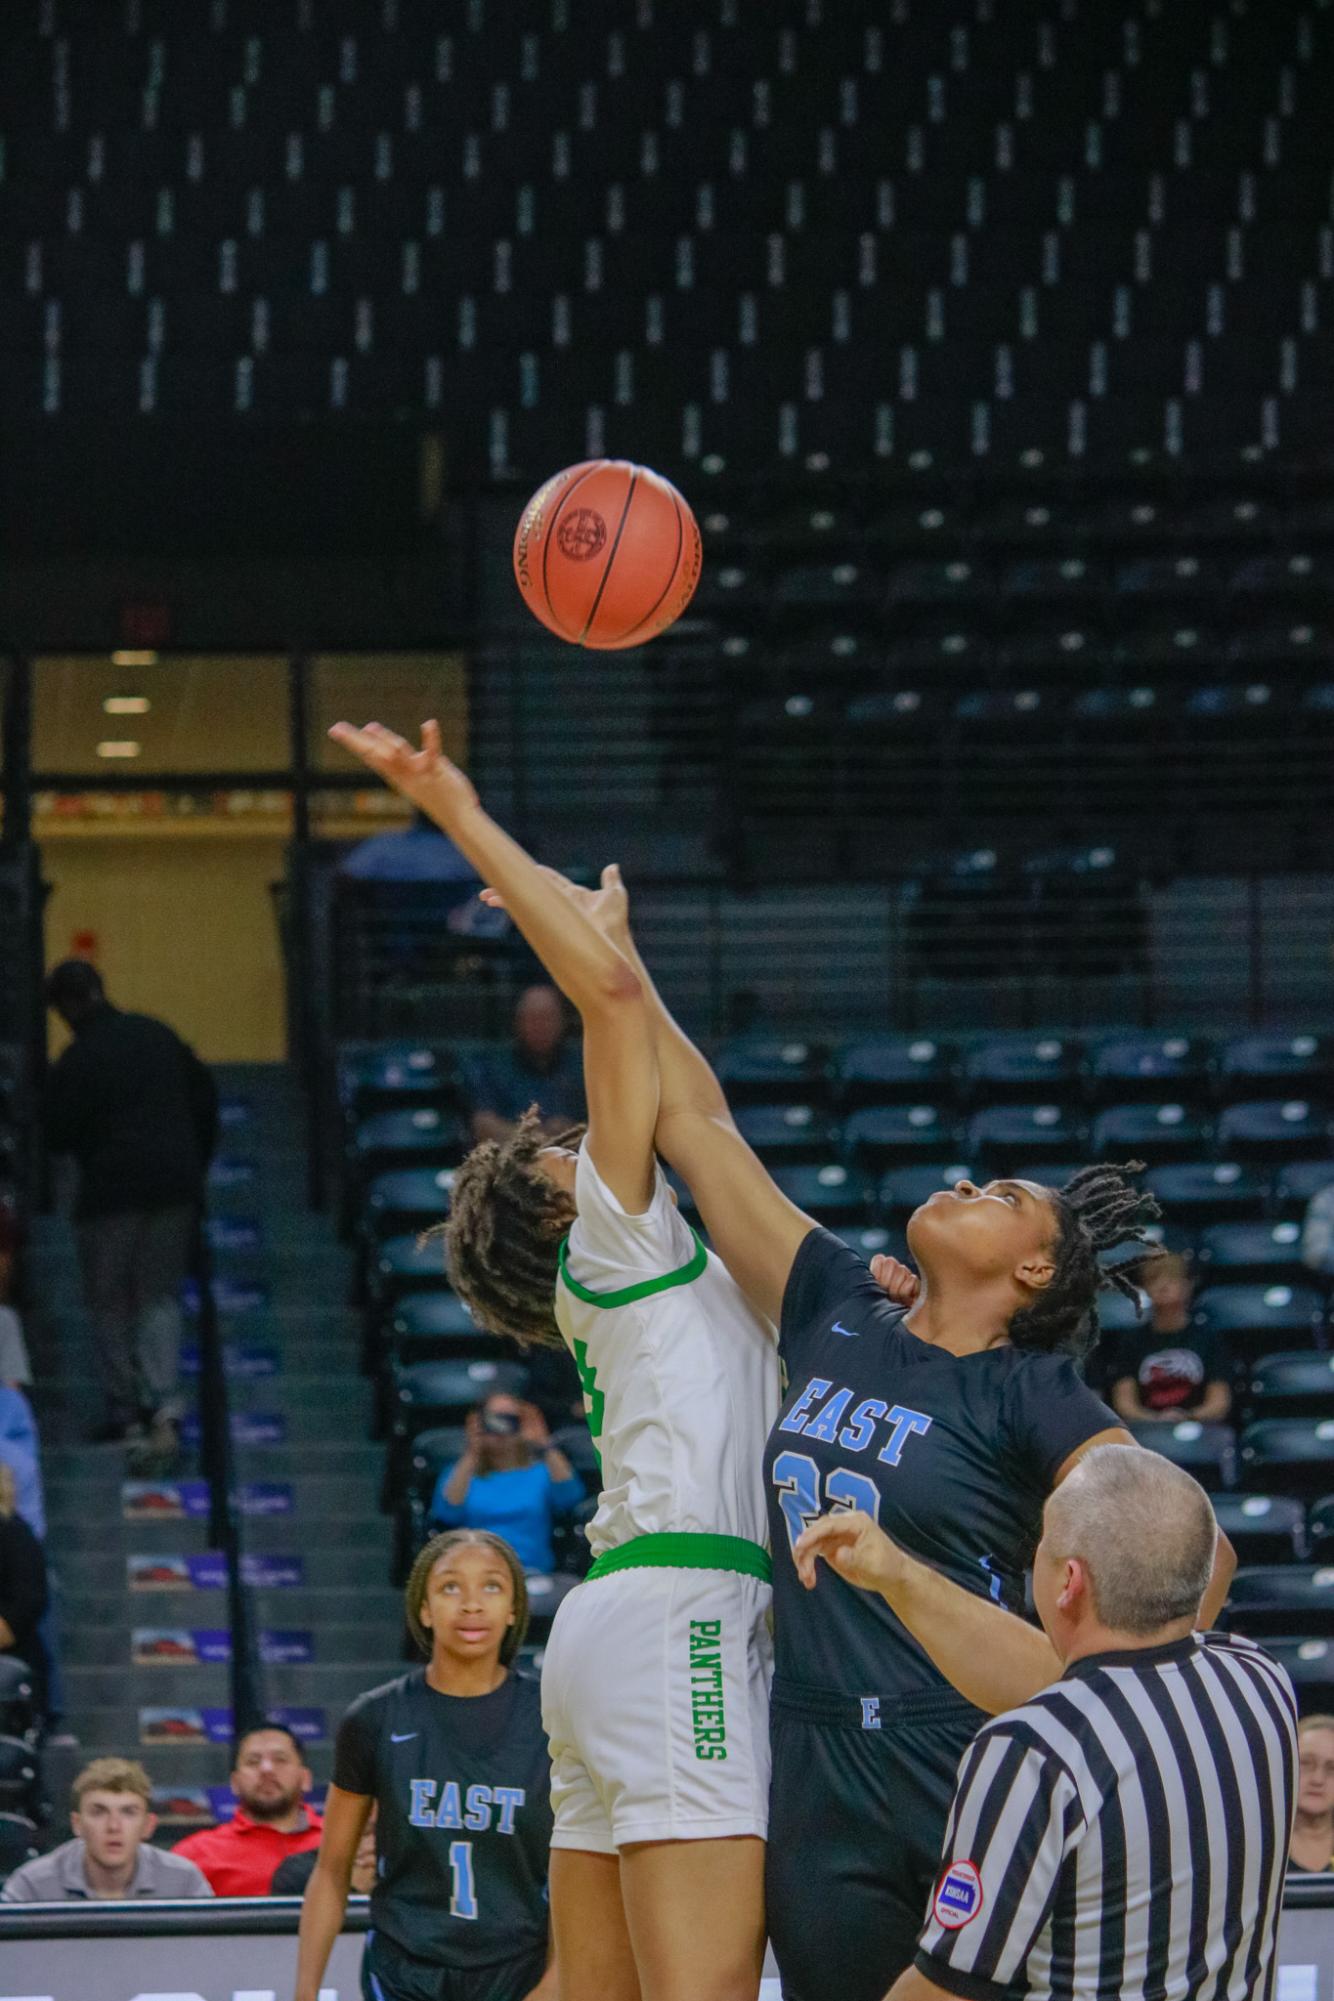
<point>679,1371</point>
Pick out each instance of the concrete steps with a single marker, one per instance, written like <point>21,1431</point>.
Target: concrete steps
<point>284,1284</point>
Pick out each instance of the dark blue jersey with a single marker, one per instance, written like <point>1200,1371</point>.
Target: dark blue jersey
<point>954,1456</point>
<point>463,1786</point>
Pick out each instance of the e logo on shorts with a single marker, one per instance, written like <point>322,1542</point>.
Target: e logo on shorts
<point>958,1896</point>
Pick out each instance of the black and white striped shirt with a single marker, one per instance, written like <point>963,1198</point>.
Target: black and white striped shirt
<point>1123,1834</point>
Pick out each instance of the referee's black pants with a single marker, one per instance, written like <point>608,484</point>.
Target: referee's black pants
<point>856,1825</point>
<point>390,1974</point>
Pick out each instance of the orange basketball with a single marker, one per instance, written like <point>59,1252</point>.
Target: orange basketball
<point>607,554</point>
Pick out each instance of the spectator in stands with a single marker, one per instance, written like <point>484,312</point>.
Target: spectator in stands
<point>272,1818</point>
<point>110,1856</point>
<point>415,853</point>
<point>1166,1368</point>
<point>139,1112</point>
<point>23,1588</point>
<point>20,1450</point>
<point>1318,1232</point>
<point>511,1480</point>
<point>15,1368</point>
<point>291,1877</point>
<point>542,1066</point>
<point>1312,1848</point>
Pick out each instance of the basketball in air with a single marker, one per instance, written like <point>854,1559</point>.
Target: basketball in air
<point>607,554</point>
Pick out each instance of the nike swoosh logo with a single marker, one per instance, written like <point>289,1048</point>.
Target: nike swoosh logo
<point>406,1738</point>
<point>851,1332</point>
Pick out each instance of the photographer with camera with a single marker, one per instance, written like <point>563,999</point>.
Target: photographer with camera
<point>511,1480</point>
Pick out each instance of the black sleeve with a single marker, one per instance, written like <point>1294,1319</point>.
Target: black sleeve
<point>825,1275</point>
<point>292,1877</point>
<point>354,1752</point>
<point>1050,1411</point>
<point>63,1104</point>
<point>22,1576</point>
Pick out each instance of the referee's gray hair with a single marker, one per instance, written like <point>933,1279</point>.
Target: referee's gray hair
<point>1144,1531</point>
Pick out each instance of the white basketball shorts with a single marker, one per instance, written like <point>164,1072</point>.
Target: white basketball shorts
<point>655,1698</point>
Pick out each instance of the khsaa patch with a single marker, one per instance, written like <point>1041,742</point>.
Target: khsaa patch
<point>958,1896</point>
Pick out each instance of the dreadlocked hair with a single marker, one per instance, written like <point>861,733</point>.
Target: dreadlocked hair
<point>504,1230</point>
<point>1096,1210</point>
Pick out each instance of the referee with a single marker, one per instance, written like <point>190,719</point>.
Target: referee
<point>1124,1831</point>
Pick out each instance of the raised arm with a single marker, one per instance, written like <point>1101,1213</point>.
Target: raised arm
<point>620,1061</point>
<point>996,1660</point>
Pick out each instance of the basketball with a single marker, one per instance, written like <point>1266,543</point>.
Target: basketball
<point>607,554</point>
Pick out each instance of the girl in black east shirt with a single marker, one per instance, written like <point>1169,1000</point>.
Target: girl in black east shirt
<point>947,1424</point>
<point>454,1759</point>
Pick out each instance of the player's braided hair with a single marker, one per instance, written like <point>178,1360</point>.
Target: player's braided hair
<point>1096,1210</point>
<point>503,1235</point>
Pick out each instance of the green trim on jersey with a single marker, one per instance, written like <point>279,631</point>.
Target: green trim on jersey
<point>682,1550</point>
<point>596,1400</point>
<point>628,1294</point>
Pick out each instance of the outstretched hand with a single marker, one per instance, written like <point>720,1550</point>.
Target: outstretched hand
<point>854,1546</point>
<point>607,907</point>
<point>424,776</point>
<point>898,1281</point>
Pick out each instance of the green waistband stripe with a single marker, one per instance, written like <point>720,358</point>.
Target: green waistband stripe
<point>683,1275</point>
<point>681,1550</point>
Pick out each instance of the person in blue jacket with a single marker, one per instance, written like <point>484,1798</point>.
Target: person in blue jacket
<point>511,1480</point>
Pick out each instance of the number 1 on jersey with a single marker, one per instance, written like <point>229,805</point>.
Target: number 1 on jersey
<point>797,1478</point>
<point>463,1900</point>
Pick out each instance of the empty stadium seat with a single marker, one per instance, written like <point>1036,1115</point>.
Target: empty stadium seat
<point>396,1077</point>
<point>1150,1132</point>
<point>1274,1129</point>
<point>881,1136</point>
<point>406,1264</point>
<point>1309,1664</point>
<point>1207,1451</point>
<point>829,1192</point>
<point>1262,1066</point>
<point>408,1198</point>
<point>1258,1320</point>
<point>1207,1191</point>
<point>883,1067</point>
<point>17,1714</point>
<point>1150,1066</point>
<point>787,1134</point>
<point>1282,1598</point>
<point>546,1592</point>
<point>20,1778</point>
<point>425,1136</point>
<point>1022,1066</point>
<point>1291,1455</point>
<point>1298,1383</point>
<point>1298,1182</point>
<point>1005,1133</point>
<point>436,1326</point>
<point>906,1188</point>
<point>763,1069</point>
<point>1262,1528</point>
<point>1320,1527</point>
<point>1259,1251</point>
<point>872,1240</point>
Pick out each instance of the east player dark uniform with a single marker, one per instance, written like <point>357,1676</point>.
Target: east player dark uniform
<point>459,1908</point>
<point>954,1456</point>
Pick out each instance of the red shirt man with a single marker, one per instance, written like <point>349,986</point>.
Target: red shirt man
<point>271,1822</point>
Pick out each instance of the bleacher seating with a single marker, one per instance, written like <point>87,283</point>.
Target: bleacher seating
<point>846,1134</point>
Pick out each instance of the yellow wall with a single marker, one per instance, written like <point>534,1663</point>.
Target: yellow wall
<point>185,927</point>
